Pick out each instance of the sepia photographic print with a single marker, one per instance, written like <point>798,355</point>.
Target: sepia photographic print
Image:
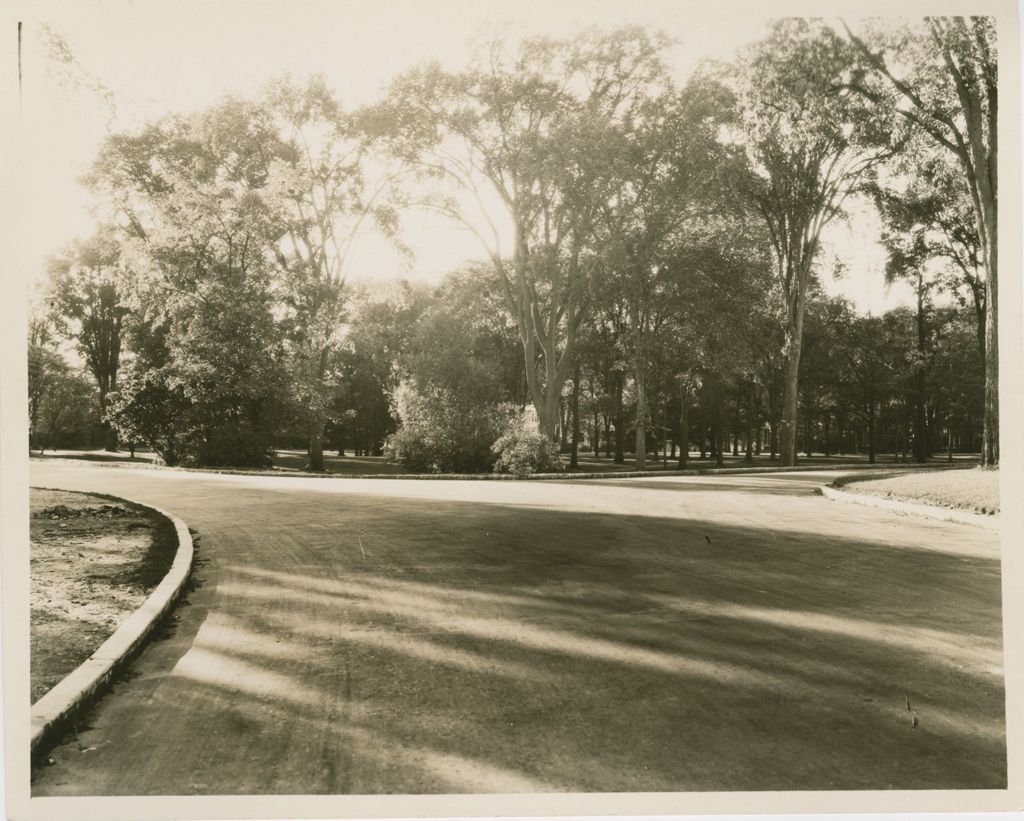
<point>449,408</point>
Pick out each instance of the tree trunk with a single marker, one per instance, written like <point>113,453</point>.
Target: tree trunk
<point>620,434</point>
<point>316,452</point>
<point>808,434</point>
<point>871,429</point>
<point>719,456</point>
<point>990,433</point>
<point>787,424</point>
<point>109,431</point>
<point>985,165</point>
<point>684,428</point>
<point>920,448</point>
<point>749,456</point>
<point>640,453</point>
<point>574,461</point>
<point>316,436</point>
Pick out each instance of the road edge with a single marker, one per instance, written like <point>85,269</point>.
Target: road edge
<point>51,715</point>
<point>508,477</point>
<point>941,514</point>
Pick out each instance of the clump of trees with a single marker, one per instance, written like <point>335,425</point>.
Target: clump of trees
<point>63,409</point>
<point>660,293</point>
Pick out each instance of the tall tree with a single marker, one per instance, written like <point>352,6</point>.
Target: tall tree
<point>942,77</point>
<point>810,150</point>
<point>864,347</point>
<point>44,367</point>
<point>87,283</point>
<point>191,193</point>
<point>517,141</point>
<point>908,221</point>
<point>664,161</point>
<point>323,196</point>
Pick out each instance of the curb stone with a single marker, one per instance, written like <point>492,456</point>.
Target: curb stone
<point>52,713</point>
<point>928,511</point>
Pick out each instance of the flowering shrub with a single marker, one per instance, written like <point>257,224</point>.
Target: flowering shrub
<point>523,450</point>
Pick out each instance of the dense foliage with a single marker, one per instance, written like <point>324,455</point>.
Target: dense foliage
<point>662,293</point>
<point>523,450</point>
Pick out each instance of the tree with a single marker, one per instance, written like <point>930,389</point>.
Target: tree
<point>66,405</point>
<point>959,395</point>
<point>321,197</point>
<point>928,202</point>
<point>941,76</point>
<point>190,194</point>
<point>664,160</point>
<point>905,237</point>
<point>220,394</point>
<point>864,345</point>
<point>45,366</point>
<point>379,334</point>
<point>720,295</point>
<point>809,149</point>
<point>151,409</point>
<point>516,145</point>
<point>86,285</point>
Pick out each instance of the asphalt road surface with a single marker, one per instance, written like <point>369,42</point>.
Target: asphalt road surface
<point>666,634</point>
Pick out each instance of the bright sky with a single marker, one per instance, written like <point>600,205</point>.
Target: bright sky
<point>160,57</point>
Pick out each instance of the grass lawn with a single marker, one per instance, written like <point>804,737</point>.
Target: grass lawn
<point>293,461</point>
<point>975,490</point>
<point>93,561</point>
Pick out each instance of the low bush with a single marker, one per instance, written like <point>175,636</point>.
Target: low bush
<point>441,432</point>
<point>523,450</point>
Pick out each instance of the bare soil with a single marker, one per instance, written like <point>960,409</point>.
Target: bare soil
<point>974,490</point>
<point>94,560</point>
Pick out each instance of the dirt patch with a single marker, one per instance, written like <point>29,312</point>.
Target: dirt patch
<point>94,560</point>
<point>974,490</point>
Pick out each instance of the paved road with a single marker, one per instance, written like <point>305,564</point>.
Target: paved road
<point>684,633</point>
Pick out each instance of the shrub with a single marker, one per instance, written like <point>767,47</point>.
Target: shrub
<point>442,432</point>
<point>523,450</point>
<point>154,408</point>
<point>149,409</point>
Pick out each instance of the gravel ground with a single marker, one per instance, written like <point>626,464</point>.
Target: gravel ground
<point>975,490</point>
<point>94,560</point>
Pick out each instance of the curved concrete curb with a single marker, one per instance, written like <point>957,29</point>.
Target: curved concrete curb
<point>52,713</point>
<point>930,511</point>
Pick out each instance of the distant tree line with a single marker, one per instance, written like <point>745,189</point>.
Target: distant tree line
<point>661,292</point>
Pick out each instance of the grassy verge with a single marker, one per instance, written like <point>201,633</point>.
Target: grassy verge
<point>94,559</point>
<point>293,462</point>
<point>974,490</point>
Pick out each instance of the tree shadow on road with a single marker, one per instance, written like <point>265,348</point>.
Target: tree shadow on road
<point>417,647</point>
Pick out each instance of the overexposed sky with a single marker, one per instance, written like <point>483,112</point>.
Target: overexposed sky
<point>162,57</point>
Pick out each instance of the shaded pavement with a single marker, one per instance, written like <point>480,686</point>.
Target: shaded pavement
<point>684,633</point>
